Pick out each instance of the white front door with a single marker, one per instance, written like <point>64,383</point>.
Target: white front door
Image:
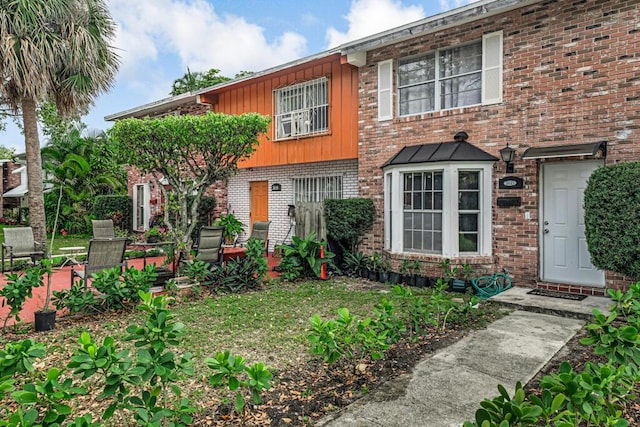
<point>565,257</point>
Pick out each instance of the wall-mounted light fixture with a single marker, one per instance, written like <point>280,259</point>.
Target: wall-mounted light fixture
<point>276,187</point>
<point>507,155</point>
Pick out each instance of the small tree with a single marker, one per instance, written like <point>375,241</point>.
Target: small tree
<point>190,153</point>
<point>612,218</point>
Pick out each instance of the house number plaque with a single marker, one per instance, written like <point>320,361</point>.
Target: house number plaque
<point>510,182</point>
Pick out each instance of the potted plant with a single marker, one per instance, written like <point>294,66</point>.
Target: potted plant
<point>233,227</point>
<point>463,280</point>
<point>385,269</point>
<point>353,263</point>
<point>408,268</point>
<point>155,234</point>
<point>45,318</point>
<point>374,263</point>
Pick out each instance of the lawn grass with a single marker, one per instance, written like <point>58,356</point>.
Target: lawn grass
<point>269,325</point>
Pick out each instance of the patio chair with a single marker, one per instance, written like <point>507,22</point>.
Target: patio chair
<point>103,229</point>
<point>20,243</point>
<point>260,231</point>
<point>103,254</point>
<point>209,249</point>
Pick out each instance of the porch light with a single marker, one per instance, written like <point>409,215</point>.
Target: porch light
<point>507,154</point>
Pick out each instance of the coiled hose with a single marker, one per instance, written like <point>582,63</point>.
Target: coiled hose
<point>488,286</point>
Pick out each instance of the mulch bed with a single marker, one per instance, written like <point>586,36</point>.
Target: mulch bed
<point>306,393</point>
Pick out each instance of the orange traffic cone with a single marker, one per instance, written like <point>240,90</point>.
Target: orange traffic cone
<point>323,266</point>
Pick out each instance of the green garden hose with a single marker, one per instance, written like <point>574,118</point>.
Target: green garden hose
<point>488,286</point>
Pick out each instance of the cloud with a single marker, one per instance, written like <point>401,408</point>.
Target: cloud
<point>200,38</point>
<point>367,17</point>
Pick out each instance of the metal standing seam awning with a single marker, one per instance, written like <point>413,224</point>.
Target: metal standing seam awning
<point>440,152</point>
<point>568,150</point>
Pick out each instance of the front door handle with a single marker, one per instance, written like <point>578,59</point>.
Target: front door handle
<point>546,231</point>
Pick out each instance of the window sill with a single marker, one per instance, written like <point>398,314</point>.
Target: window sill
<point>305,136</point>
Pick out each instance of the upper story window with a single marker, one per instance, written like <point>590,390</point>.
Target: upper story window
<point>437,81</point>
<point>460,76</point>
<point>302,109</point>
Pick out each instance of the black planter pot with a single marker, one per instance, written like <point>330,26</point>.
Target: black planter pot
<point>457,285</point>
<point>364,273</point>
<point>45,320</point>
<point>422,281</point>
<point>410,279</point>
<point>373,275</point>
<point>152,239</point>
<point>395,278</point>
<point>383,276</point>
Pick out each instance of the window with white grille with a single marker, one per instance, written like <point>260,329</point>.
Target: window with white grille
<point>302,109</point>
<point>317,189</point>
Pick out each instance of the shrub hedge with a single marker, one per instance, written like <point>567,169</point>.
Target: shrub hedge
<point>612,218</point>
<point>115,207</point>
<point>348,220</point>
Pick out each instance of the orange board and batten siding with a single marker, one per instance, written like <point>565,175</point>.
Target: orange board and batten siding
<point>257,95</point>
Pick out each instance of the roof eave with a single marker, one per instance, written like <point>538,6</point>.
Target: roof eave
<point>456,17</point>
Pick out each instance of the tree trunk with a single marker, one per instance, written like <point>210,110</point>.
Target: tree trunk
<point>34,170</point>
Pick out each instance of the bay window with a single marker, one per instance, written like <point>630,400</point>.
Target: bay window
<point>441,208</point>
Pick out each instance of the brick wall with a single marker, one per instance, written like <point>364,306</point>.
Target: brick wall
<point>571,74</point>
<point>279,230</point>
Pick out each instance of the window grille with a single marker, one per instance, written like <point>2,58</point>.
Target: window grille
<point>302,109</point>
<point>317,189</point>
<point>423,193</point>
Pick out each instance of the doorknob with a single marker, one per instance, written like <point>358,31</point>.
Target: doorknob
<point>546,231</point>
<point>546,223</point>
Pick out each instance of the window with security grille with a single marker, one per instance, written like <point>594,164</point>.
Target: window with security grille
<point>317,189</point>
<point>302,109</point>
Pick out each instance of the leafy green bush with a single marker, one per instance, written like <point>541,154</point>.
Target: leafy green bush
<point>18,288</point>
<point>117,208</point>
<point>612,218</point>
<point>348,220</point>
<point>229,370</point>
<point>303,257</point>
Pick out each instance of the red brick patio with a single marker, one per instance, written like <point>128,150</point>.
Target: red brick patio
<point>61,279</point>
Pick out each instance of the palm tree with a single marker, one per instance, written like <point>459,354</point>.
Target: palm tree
<point>57,51</point>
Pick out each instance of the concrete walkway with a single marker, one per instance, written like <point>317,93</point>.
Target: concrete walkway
<point>446,388</point>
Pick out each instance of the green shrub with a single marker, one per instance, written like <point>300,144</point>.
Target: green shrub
<point>612,218</point>
<point>303,257</point>
<point>348,220</point>
<point>117,208</point>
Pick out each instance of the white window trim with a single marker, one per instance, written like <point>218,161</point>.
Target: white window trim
<point>491,40</point>
<point>393,217</point>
